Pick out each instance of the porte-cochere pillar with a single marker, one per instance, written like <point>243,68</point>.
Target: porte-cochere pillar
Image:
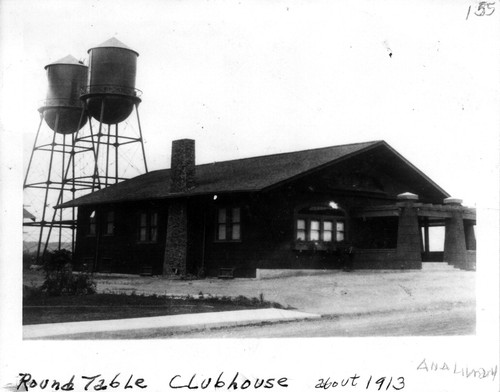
<point>455,248</point>
<point>409,245</point>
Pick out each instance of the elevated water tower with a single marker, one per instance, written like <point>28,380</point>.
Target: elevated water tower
<point>104,92</point>
<point>51,169</point>
<point>110,98</point>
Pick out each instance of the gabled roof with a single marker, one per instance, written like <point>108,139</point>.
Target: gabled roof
<point>240,175</point>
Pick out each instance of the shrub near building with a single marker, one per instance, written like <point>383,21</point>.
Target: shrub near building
<point>59,277</point>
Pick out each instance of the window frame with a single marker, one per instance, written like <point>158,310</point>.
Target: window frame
<point>108,221</point>
<point>229,224</point>
<point>148,226</point>
<point>320,228</point>
<point>321,231</point>
<point>91,226</point>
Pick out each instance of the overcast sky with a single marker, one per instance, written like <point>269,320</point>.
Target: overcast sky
<point>253,77</point>
<point>261,77</point>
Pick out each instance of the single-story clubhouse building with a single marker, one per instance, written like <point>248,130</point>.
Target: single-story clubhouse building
<point>298,210</point>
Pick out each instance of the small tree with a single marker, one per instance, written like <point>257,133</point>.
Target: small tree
<point>59,277</point>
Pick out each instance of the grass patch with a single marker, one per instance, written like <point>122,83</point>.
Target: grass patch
<point>40,309</point>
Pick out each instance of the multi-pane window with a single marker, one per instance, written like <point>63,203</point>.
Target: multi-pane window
<point>148,226</point>
<point>320,223</point>
<point>229,224</point>
<point>109,228</point>
<point>316,230</point>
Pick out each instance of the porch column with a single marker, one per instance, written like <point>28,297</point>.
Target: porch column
<point>455,249</point>
<point>427,247</point>
<point>409,245</point>
<point>470,236</point>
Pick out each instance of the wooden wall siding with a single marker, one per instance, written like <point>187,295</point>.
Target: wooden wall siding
<point>268,233</point>
<point>126,253</point>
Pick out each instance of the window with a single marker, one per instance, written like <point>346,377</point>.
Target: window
<point>321,223</point>
<point>91,229</point>
<point>109,228</point>
<point>340,233</point>
<point>301,229</point>
<point>328,231</point>
<point>148,226</point>
<point>314,230</point>
<point>318,230</point>
<point>229,224</point>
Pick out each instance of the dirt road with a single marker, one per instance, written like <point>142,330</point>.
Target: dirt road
<point>438,322</point>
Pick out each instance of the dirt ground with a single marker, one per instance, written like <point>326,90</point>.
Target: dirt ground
<point>332,293</point>
<point>459,320</point>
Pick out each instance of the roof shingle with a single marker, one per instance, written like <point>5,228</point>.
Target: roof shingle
<point>240,175</point>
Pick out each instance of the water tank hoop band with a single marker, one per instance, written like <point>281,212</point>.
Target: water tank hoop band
<point>61,102</point>
<point>111,89</point>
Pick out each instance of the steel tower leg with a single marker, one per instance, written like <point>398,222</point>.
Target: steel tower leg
<point>116,153</point>
<point>96,169</point>
<point>140,135</point>
<point>73,190</point>
<point>47,193</point>
<point>33,151</point>
<point>99,134</point>
<point>107,159</point>
<point>64,181</point>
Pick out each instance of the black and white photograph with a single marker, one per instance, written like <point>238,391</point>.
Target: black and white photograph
<point>223,195</point>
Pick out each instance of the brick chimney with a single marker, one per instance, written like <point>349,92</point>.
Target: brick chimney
<point>182,178</point>
<point>182,166</point>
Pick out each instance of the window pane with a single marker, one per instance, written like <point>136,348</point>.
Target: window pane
<point>154,219</point>
<point>301,234</point>
<point>154,232</point>
<point>314,231</point>
<point>301,224</point>
<point>143,220</point>
<point>236,231</point>
<point>236,215</point>
<point>110,217</point>
<point>222,215</point>
<point>327,226</point>
<point>327,236</point>
<point>340,232</point>
<point>142,234</point>
<point>221,235</point>
<point>92,225</point>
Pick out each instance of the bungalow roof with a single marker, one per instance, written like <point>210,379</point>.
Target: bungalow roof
<point>240,175</point>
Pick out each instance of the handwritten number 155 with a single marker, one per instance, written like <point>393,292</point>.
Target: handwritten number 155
<point>483,9</point>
